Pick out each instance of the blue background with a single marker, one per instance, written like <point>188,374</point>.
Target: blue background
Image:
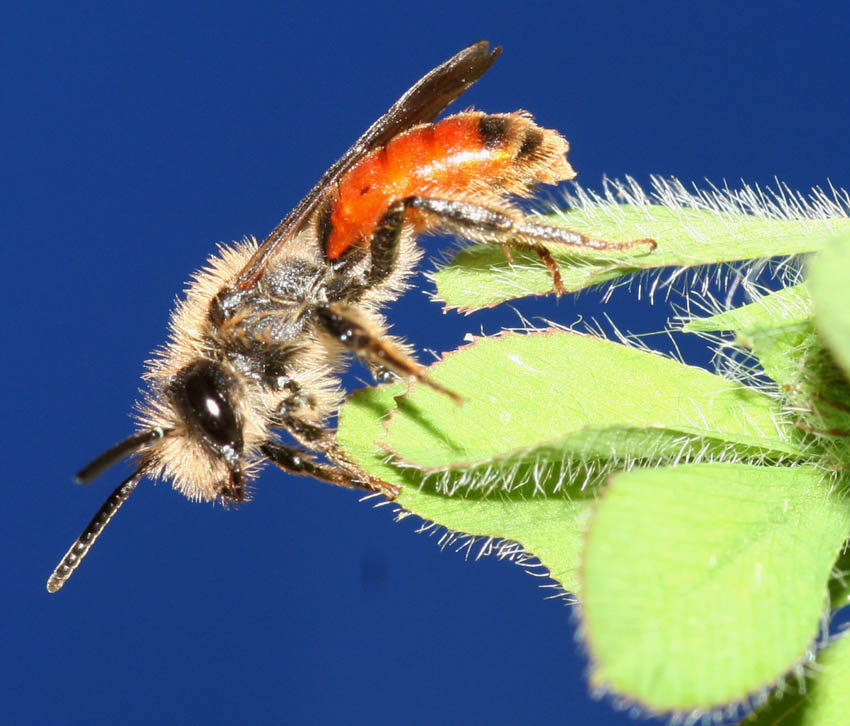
<point>133,137</point>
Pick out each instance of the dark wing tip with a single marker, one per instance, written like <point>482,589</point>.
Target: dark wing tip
<point>476,59</point>
<point>482,48</point>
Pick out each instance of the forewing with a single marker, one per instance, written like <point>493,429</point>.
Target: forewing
<point>422,103</point>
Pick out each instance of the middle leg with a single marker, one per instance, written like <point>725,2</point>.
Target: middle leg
<point>346,325</point>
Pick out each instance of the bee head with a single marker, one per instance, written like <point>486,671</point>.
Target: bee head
<point>202,394</point>
<point>193,434</point>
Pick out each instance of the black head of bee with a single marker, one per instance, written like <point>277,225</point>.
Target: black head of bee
<point>202,393</point>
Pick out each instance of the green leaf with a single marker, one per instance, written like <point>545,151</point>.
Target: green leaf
<point>481,276</point>
<point>780,332</point>
<point>829,278</point>
<point>545,416</point>
<point>826,701</point>
<point>785,306</point>
<point>777,328</point>
<point>551,528</point>
<point>361,432</point>
<point>816,392</point>
<point>704,583</point>
<point>558,395</point>
<point>781,349</point>
<point>839,585</point>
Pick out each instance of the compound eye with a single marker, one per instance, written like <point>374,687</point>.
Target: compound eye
<point>202,390</point>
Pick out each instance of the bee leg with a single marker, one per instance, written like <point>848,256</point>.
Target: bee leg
<point>382,374</point>
<point>384,245</point>
<point>297,461</point>
<point>370,345</point>
<point>477,221</point>
<point>296,413</point>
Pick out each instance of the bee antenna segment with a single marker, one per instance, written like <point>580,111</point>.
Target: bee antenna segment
<point>114,454</point>
<point>84,542</point>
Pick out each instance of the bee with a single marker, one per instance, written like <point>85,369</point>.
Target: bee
<point>258,341</point>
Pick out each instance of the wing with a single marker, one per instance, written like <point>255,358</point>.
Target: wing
<point>421,104</point>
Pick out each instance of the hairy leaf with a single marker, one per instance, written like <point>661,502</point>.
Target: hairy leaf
<point>825,701</point>
<point>704,583</point>
<point>555,395</point>
<point>781,349</point>
<point>550,527</point>
<point>785,306</point>
<point>549,414</point>
<point>829,276</point>
<point>481,276</point>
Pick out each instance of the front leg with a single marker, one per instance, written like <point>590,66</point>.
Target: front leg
<point>298,461</point>
<point>299,415</point>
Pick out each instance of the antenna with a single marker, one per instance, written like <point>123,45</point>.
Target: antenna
<point>84,542</point>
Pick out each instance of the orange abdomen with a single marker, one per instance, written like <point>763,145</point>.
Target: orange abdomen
<point>468,156</point>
